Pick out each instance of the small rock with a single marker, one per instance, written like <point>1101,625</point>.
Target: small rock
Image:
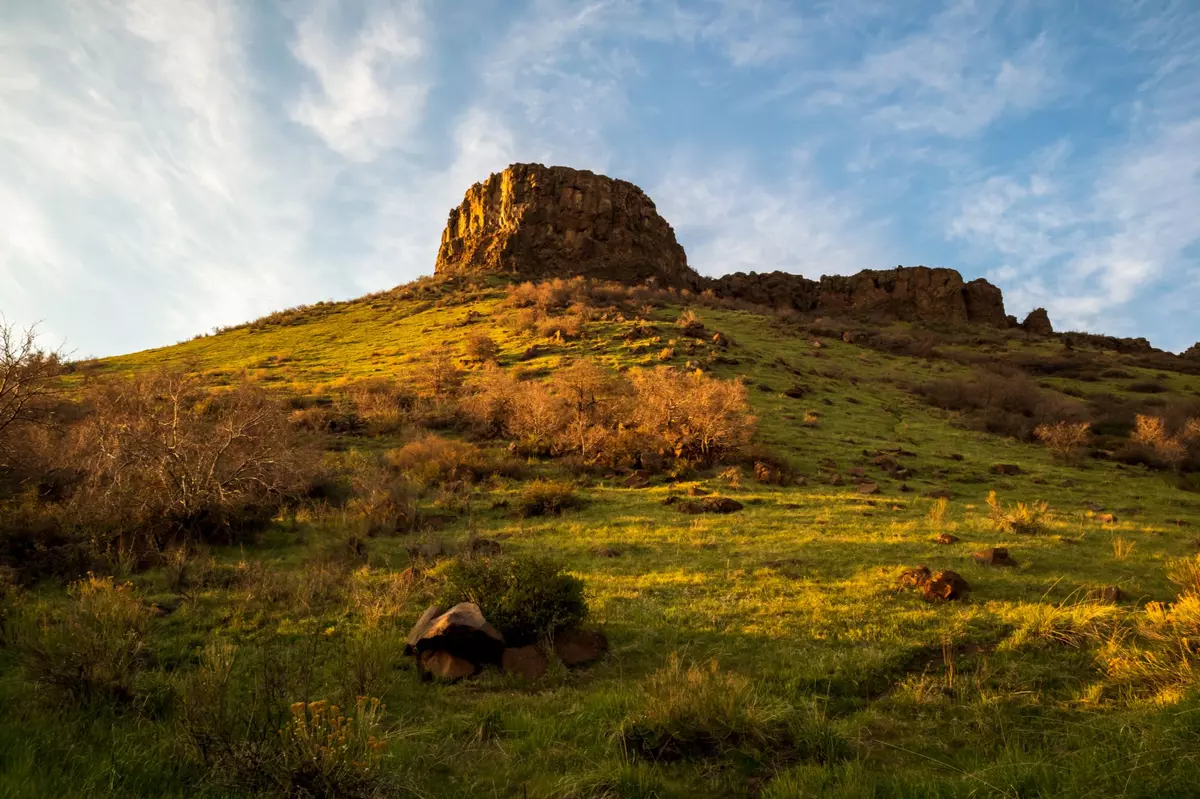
<point>996,556</point>
<point>945,586</point>
<point>1106,518</point>
<point>938,493</point>
<point>835,479</point>
<point>1006,469</point>
<point>796,392</point>
<point>856,471</point>
<point>579,647</point>
<point>709,505</point>
<point>767,474</point>
<point>697,491</point>
<point>868,488</point>
<point>638,479</point>
<point>528,662</point>
<point>946,538</point>
<point>886,463</point>
<point>956,457</point>
<point>485,547</point>
<point>1109,594</point>
<point>915,578</point>
<point>445,666</point>
<point>906,488</point>
<point>607,552</point>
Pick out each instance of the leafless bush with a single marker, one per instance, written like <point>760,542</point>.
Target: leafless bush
<point>163,458</point>
<point>698,418</point>
<point>482,347</point>
<point>1064,439</point>
<point>29,387</point>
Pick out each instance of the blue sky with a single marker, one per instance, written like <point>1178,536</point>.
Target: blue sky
<point>168,166</point>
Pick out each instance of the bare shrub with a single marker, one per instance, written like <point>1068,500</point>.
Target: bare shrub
<point>433,459</point>
<point>698,418</point>
<point>29,387</point>
<point>590,396</point>
<point>443,378</point>
<point>382,406</point>
<point>482,347</point>
<point>165,459</point>
<point>384,503</point>
<point>562,327</point>
<point>1011,405</point>
<point>546,498</point>
<point>1064,439</point>
<point>1150,432</point>
<point>492,401</point>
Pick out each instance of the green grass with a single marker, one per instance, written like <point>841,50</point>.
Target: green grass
<point>795,597</point>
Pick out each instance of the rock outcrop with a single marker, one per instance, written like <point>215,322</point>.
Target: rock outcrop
<point>536,222</point>
<point>1192,352</point>
<point>1038,323</point>
<point>915,293</point>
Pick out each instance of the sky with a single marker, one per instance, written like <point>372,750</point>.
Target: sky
<point>168,166</point>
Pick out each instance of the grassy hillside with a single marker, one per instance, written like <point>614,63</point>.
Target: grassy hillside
<point>773,648</point>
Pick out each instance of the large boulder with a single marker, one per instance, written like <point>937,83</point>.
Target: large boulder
<point>461,631</point>
<point>533,221</point>
<point>1038,323</point>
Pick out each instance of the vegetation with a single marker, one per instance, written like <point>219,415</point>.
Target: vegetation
<point>249,505</point>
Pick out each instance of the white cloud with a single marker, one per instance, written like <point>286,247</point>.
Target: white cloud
<point>371,88</point>
<point>729,221</point>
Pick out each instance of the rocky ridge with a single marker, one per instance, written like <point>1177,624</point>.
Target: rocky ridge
<point>535,222</point>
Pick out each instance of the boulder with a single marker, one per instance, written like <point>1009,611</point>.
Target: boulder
<point>528,662</point>
<point>638,479</point>
<point>946,538</point>
<point>868,488</point>
<point>938,493</point>
<point>1038,323</point>
<point>420,628</point>
<point>579,647</point>
<point>1006,469</point>
<point>996,556</point>
<point>945,586</point>
<point>446,666</point>
<point>461,631</point>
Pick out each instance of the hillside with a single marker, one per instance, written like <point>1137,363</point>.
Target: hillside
<point>778,650</point>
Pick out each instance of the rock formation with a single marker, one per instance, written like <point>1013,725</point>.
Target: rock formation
<point>916,293</point>
<point>1038,323</point>
<point>1192,352</point>
<point>535,222</point>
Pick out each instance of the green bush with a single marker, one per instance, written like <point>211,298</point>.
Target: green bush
<point>546,498</point>
<point>525,598</point>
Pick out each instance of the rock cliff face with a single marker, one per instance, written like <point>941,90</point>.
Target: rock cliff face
<point>1038,323</point>
<point>915,293</point>
<point>534,222</point>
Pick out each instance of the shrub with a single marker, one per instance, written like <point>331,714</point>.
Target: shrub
<point>525,598</point>
<point>94,651</point>
<point>1064,439</point>
<point>698,418</point>
<point>482,347</point>
<point>433,459</point>
<point>383,406</point>
<point>562,327</point>
<point>384,503</point>
<point>696,712</point>
<point>492,402</point>
<point>165,459</point>
<point>1150,433</point>
<point>443,378</point>
<point>546,498</point>
<point>29,387</point>
<point>1021,518</point>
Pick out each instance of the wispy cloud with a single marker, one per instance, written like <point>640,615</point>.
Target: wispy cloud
<point>370,88</point>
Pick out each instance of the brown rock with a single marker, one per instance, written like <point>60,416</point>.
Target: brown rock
<point>709,505</point>
<point>856,471</point>
<point>463,632</point>
<point>697,491</point>
<point>421,627</point>
<point>946,538</point>
<point>868,488</point>
<point>445,666</point>
<point>1006,469</point>
<point>938,493</point>
<point>996,556</point>
<point>638,479</point>
<point>945,586</point>
<point>528,662</point>
<point>835,479</point>
<point>915,578</point>
<point>1038,323</point>
<point>579,647</point>
<point>534,221</point>
<point>767,474</point>
<point>485,547</point>
<point>795,392</point>
<point>1106,518</point>
<point>1109,594</point>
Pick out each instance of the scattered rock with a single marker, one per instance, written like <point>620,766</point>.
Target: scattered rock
<point>446,666</point>
<point>709,505</point>
<point>1006,469</point>
<point>1110,594</point>
<point>835,479</point>
<point>697,491</point>
<point>938,493</point>
<point>767,474</point>
<point>848,337</point>
<point>608,552</point>
<point>579,647</point>
<point>1106,518</point>
<point>996,556</point>
<point>638,479</point>
<point>915,578</point>
<point>886,462</point>
<point>906,488</point>
<point>484,547</point>
<point>426,550</point>
<point>956,457</point>
<point>946,538</point>
<point>868,488</point>
<point>945,586</point>
<point>856,471</point>
<point>527,662</point>
<point>795,392</point>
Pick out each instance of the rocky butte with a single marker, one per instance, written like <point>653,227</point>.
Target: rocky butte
<point>536,222</point>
